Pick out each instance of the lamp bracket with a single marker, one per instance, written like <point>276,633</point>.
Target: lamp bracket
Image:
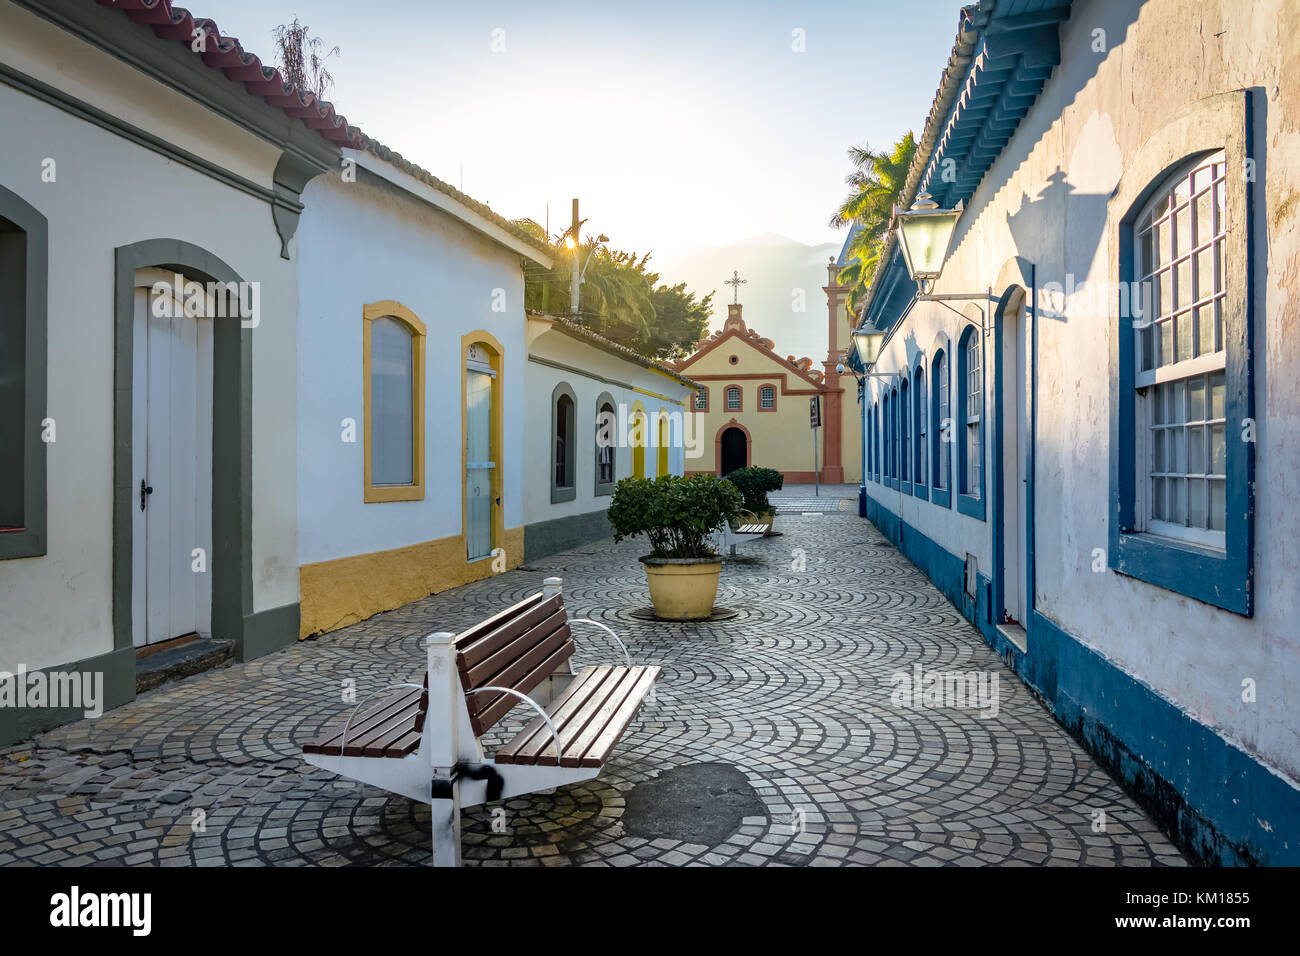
<point>943,298</point>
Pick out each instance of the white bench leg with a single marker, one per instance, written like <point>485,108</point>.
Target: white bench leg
<point>445,824</point>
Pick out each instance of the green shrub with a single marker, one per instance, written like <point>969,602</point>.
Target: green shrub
<point>678,515</point>
<point>754,484</point>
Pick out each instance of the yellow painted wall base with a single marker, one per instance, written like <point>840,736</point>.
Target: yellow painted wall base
<point>344,591</point>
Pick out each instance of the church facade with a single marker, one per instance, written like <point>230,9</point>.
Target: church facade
<point>754,407</point>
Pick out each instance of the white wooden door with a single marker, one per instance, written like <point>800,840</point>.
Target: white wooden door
<point>172,475</point>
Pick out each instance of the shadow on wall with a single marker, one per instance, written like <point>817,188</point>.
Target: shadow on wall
<point>1095,31</point>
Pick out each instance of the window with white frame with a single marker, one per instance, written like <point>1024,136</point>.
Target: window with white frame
<point>974,405</point>
<point>940,372</point>
<point>702,400</point>
<point>1180,357</point>
<point>733,399</point>
<point>922,431</point>
<point>767,397</point>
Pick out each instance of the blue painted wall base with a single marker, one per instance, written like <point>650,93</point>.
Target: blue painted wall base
<point>1221,806</point>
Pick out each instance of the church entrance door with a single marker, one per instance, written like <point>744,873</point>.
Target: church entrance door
<point>735,454</point>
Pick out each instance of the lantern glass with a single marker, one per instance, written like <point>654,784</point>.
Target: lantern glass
<point>866,342</point>
<point>925,233</point>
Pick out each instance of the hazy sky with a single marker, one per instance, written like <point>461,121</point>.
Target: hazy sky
<point>677,124</point>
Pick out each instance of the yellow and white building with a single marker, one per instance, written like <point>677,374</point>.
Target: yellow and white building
<point>754,407</point>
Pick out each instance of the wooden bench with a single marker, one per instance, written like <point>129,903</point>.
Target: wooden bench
<point>423,740</point>
<point>726,537</point>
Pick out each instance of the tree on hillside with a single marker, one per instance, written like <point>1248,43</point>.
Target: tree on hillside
<point>621,298</point>
<point>299,58</point>
<point>876,183</point>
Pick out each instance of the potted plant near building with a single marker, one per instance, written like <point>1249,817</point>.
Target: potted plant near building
<point>753,484</point>
<point>678,516</point>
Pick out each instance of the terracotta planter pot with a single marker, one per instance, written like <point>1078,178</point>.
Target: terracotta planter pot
<point>682,589</point>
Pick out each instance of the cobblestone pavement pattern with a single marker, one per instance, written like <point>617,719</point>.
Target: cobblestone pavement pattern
<point>794,692</point>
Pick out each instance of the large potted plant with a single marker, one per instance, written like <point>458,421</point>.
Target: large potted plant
<point>679,517</point>
<point>753,484</point>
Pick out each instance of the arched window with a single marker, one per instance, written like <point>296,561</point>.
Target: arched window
<point>921,425</point>
<point>767,399</point>
<point>939,424</point>
<point>638,436</point>
<point>1180,377</point>
<point>970,417</point>
<point>606,445</point>
<point>871,443</point>
<point>661,444</point>
<point>393,356</point>
<point>904,432</point>
<point>886,437</point>
<point>702,399</point>
<point>733,398</point>
<point>880,445</point>
<point>563,444</point>
<point>894,424</point>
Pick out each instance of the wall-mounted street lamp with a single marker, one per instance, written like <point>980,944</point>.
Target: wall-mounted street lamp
<point>925,234</point>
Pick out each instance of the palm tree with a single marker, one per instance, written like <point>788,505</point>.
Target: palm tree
<point>877,182</point>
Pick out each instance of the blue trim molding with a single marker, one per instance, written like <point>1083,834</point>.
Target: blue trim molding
<point>1223,578</point>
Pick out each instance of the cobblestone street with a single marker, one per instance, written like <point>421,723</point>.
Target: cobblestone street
<point>794,693</point>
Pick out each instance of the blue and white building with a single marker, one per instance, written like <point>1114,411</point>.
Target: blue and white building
<point>1085,429</point>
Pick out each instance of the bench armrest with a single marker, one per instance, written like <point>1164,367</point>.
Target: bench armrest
<point>344,742</point>
<point>608,630</point>
<point>555,734</point>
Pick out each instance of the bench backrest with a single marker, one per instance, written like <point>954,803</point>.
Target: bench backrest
<point>517,648</point>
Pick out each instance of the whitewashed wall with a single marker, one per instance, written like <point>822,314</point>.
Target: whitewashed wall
<point>110,192</point>
<point>362,242</point>
<point>604,370</point>
<point>1090,121</point>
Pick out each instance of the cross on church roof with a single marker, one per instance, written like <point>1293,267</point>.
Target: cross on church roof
<point>736,281</point>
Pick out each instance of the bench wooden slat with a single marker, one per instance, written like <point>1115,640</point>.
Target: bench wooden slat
<point>575,749</point>
<point>483,720</point>
<point>526,745</point>
<point>591,719</point>
<point>491,669</point>
<point>519,620</point>
<point>599,751</point>
<point>472,634</point>
<point>373,743</point>
<point>328,741</point>
<point>404,746</point>
<point>516,669</point>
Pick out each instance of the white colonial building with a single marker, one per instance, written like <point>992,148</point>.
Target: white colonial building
<point>1086,433</point>
<point>411,389</point>
<point>596,413</point>
<point>148,339</point>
